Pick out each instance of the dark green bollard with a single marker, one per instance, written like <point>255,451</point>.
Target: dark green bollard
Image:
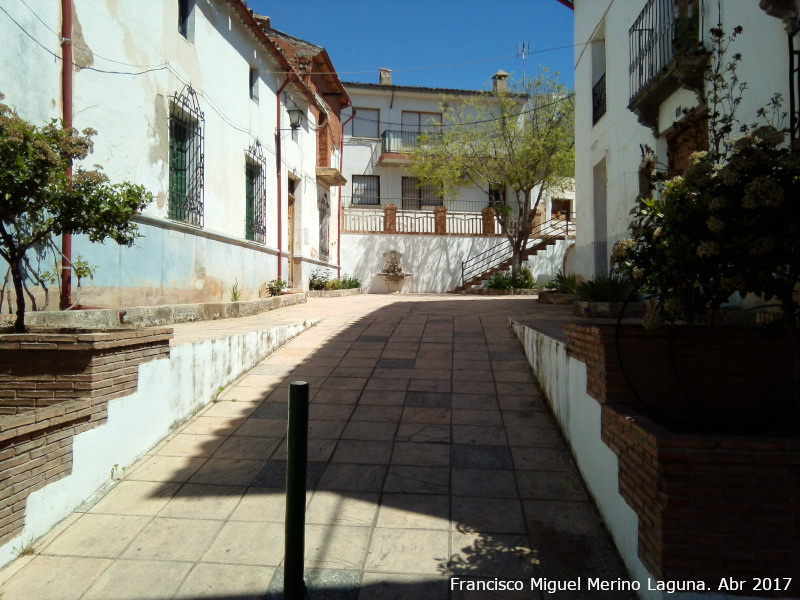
<point>294,587</point>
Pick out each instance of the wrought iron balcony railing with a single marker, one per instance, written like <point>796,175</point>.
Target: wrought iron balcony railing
<point>665,29</point>
<point>398,142</point>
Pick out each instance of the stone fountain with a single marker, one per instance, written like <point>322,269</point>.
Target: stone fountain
<point>392,272</point>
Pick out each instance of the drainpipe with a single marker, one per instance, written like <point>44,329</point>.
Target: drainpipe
<point>280,173</point>
<point>341,207</point>
<point>66,115</point>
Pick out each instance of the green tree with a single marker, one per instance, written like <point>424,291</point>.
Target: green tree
<point>730,222</point>
<point>522,139</point>
<point>39,200</point>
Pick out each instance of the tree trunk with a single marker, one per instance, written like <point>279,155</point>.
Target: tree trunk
<point>19,289</point>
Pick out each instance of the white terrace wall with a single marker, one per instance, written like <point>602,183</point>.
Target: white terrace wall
<point>433,260</point>
<point>169,391</point>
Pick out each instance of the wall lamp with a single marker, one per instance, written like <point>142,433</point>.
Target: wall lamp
<point>295,114</point>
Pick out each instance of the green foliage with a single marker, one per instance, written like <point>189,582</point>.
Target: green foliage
<point>350,283</point>
<point>730,222</point>
<point>563,284</point>
<point>276,286</point>
<point>40,200</point>
<point>321,280</point>
<point>522,140</point>
<point>235,291</point>
<point>333,284</point>
<point>504,280</point>
<point>613,287</point>
<point>318,280</point>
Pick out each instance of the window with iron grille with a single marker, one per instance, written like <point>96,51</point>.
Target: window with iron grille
<point>186,158</point>
<point>255,179</point>
<point>324,207</point>
<point>366,190</point>
<point>418,197</point>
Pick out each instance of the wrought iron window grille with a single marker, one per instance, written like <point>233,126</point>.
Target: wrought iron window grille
<point>599,99</point>
<point>255,172</point>
<point>186,124</point>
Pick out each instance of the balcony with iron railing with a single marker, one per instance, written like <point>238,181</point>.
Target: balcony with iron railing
<point>666,53</point>
<point>395,145</point>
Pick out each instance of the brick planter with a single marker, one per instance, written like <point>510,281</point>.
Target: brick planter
<point>52,387</point>
<point>690,378</point>
<point>710,506</point>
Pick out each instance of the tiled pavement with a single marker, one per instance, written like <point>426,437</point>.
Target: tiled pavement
<point>431,456</point>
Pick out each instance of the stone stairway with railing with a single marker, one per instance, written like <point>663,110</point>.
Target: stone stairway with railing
<point>479,268</point>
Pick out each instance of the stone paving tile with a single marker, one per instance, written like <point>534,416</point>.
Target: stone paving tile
<point>491,483</point>
<point>224,471</point>
<point>360,451</point>
<point>55,578</point>
<point>481,456</point>
<point>332,508</point>
<point>167,538</point>
<point>473,387</point>
<point>347,477</point>
<point>430,385</point>
<point>414,511</point>
<point>247,543</point>
<point>408,551</point>
<point>134,580</point>
<point>208,501</point>
<point>136,498</point>
<point>551,485</point>
<point>97,535</point>
<point>369,430</point>
<point>422,408</point>
<point>411,479</point>
<point>165,468</point>
<point>421,454</point>
<point>382,397</point>
<point>225,581</point>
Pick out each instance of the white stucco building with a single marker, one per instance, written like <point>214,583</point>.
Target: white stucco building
<point>191,100</point>
<point>385,120</point>
<point>637,71</point>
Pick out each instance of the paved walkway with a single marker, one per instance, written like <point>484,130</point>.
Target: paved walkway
<point>431,456</point>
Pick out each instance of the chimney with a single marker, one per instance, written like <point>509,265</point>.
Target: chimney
<point>500,81</point>
<point>385,76</point>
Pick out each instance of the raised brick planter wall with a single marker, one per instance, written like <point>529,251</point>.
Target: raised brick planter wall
<point>710,506</point>
<point>693,377</point>
<point>52,387</point>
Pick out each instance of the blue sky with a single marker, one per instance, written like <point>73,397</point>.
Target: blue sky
<point>438,43</point>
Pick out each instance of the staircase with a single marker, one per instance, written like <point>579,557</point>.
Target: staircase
<point>479,268</point>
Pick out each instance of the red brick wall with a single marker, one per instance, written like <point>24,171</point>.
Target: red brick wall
<point>692,377</point>
<point>709,507</point>
<point>52,387</point>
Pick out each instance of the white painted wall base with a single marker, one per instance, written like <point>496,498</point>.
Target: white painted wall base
<point>169,392</point>
<point>433,260</point>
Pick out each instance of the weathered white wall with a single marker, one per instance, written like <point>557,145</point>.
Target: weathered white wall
<point>169,391</point>
<point>433,260</point>
<point>131,59</point>
<point>617,136</point>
